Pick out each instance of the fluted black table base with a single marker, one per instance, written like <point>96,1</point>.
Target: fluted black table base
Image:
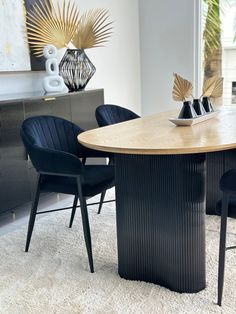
<point>161,219</point>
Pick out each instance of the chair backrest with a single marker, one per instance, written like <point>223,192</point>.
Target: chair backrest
<point>50,132</point>
<point>111,114</point>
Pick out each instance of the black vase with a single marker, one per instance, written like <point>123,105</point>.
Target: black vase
<point>198,107</point>
<point>207,104</point>
<point>76,69</point>
<point>187,111</point>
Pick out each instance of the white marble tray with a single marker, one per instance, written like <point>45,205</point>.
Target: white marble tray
<point>192,121</point>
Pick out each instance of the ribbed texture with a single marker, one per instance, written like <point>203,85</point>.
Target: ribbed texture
<point>160,219</point>
<point>215,169</point>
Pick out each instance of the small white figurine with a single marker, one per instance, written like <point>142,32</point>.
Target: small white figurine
<point>52,83</point>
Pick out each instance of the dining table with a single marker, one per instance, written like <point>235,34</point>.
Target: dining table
<point>162,174</point>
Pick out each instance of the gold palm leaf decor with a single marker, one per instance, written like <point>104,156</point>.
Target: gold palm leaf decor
<point>208,86</point>
<point>182,88</point>
<point>49,24</point>
<point>93,29</point>
<point>218,89</point>
<point>61,25</point>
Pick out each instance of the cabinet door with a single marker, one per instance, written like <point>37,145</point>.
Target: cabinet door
<point>14,185</point>
<point>55,106</point>
<point>83,106</point>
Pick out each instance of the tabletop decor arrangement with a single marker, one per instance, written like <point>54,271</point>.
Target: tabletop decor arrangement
<point>64,27</point>
<point>199,109</point>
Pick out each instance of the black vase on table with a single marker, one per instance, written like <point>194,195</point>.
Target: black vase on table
<point>187,111</point>
<point>76,69</point>
<point>207,104</point>
<point>198,107</point>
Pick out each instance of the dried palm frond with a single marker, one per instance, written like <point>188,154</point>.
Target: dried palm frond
<point>47,24</point>
<point>218,89</point>
<point>208,86</point>
<point>93,29</point>
<point>182,88</point>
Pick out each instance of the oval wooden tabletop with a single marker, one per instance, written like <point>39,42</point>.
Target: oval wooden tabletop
<point>156,135</point>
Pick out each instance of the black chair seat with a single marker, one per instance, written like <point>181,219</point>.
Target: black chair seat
<point>231,208</point>
<point>228,182</point>
<point>97,178</point>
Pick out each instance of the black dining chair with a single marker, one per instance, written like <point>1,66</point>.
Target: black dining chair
<point>112,114</point>
<point>226,208</point>
<point>52,145</point>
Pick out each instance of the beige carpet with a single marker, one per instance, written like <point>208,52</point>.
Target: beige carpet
<point>54,278</point>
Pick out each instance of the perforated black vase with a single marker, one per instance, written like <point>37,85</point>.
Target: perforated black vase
<point>76,69</point>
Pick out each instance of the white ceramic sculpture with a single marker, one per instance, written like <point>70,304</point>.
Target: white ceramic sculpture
<point>52,83</point>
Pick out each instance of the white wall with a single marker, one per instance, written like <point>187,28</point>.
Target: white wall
<point>117,64</point>
<point>169,31</point>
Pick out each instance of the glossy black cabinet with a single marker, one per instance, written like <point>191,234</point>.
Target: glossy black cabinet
<point>17,176</point>
<point>14,186</point>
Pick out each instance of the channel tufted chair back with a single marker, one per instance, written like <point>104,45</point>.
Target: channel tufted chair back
<point>111,114</point>
<point>52,132</point>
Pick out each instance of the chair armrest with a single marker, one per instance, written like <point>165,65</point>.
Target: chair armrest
<point>49,160</point>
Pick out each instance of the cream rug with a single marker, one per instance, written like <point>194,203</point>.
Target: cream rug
<point>54,277</point>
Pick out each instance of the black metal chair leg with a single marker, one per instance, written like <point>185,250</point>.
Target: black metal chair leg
<point>73,211</point>
<point>86,228</point>
<point>101,201</point>
<point>33,213</point>
<point>221,268</point>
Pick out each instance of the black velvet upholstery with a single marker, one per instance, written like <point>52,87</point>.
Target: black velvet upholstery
<point>52,145</point>
<point>231,208</point>
<point>111,114</point>
<point>228,181</point>
<point>228,185</point>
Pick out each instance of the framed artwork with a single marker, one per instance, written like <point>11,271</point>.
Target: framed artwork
<point>15,54</point>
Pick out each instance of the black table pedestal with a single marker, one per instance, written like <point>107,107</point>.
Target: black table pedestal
<point>161,219</point>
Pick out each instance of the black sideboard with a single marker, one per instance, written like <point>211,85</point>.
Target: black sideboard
<point>17,176</point>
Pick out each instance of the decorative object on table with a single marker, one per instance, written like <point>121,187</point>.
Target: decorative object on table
<point>187,111</point>
<point>198,107</point>
<point>52,83</point>
<point>207,89</point>
<point>63,27</point>
<point>212,88</point>
<point>182,89</point>
<point>207,104</point>
<point>194,113</point>
<point>193,121</point>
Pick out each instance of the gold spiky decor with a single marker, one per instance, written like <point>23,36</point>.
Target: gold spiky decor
<point>64,27</point>
<point>183,90</point>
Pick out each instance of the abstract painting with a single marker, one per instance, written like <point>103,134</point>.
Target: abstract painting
<point>14,51</point>
<point>15,54</point>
